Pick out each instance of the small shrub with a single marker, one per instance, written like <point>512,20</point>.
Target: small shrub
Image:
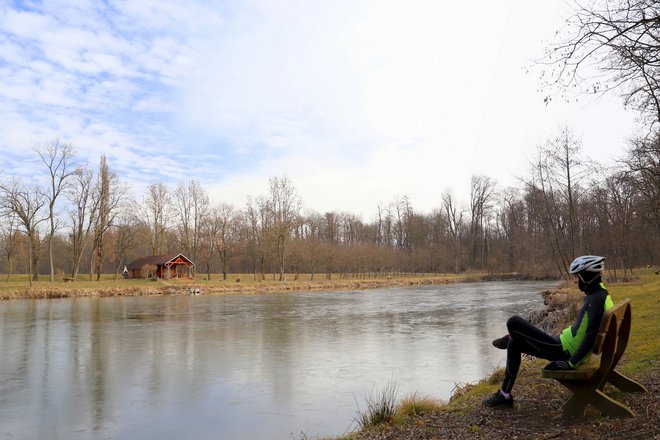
<point>148,270</point>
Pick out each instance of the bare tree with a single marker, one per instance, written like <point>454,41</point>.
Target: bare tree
<point>310,231</point>
<point>208,246</point>
<point>83,215</point>
<point>403,213</point>
<point>25,201</point>
<point>642,166</point>
<point>108,195</point>
<point>225,217</point>
<point>330,227</point>
<point>285,206</point>
<point>642,170</point>
<point>156,216</point>
<point>9,236</point>
<point>379,225</point>
<point>440,242</point>
<point>220,230</point>
<point>510,223</point>
<point>385,225</point>
<point>206,250</point>
<point>455,221</point>
<point>564,172</point>
<point>58,158</point>
<point>482,190</point>
<point>124,238</point>
<point>621,213</point>
<point>557,176</point>
<point>191,205</point>
<point>256,225</point>
<point>611,45</point>
<point>182,208</point>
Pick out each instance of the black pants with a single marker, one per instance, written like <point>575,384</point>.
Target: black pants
<point>525,338</point>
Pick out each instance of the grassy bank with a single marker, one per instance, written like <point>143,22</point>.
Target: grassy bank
<point>17,286</point>
<point>537,413</point>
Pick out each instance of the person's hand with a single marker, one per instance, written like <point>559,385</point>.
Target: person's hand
<point>559,365</point>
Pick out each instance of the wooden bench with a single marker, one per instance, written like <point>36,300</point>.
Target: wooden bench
<point>588,381</point>
<point>67,280</point>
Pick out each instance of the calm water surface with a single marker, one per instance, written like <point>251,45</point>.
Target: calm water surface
<point>240,367</point>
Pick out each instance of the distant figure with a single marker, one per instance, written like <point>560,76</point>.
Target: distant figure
<point>125,272</point>
<point>570,349</point>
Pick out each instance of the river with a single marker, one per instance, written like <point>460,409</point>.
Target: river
<point>271,366</point>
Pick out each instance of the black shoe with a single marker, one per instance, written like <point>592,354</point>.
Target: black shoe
<point>498,400</point>
<point>502,342</point>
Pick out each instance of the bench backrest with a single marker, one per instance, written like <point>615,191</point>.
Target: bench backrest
<point>612,339</point>
<point>621,311</point>
<point>608,347</point>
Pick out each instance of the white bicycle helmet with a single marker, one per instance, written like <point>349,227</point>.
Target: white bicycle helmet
<point>587,263</point>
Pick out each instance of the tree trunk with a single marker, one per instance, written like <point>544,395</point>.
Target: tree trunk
<point>30,258</point>
<point>50,251</point>
<point>36,258</point>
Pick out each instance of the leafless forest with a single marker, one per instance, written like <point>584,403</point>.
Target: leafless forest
<point>75,218</point>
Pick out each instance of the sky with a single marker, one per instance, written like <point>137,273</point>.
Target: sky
<point>357,102</point>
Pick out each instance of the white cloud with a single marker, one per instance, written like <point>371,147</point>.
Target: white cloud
<point>25,25</point>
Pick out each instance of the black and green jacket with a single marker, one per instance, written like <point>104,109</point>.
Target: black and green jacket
<point>578,339</point>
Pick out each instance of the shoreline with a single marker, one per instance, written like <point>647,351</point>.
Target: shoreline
<point>88,289</point>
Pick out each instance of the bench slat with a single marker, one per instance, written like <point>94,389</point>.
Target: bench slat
<point>584,372</point>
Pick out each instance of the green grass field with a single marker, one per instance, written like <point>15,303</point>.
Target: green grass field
<point>644,344</point>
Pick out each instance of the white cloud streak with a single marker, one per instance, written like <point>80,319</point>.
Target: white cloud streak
<point>357,102</point>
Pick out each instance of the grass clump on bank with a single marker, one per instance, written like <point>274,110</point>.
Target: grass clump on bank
<point>414,405</point>
<point>381,407</point>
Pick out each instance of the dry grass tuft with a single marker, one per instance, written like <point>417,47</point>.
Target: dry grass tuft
<point>414,405</point>
<point>381,407</point>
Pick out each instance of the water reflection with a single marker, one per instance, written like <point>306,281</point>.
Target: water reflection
<point>261,366</point>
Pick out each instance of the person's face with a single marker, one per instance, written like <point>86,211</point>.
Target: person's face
<point>576,280</point>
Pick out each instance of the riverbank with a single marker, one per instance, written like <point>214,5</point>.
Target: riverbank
<point>19,288</point>
<point>537,413</point>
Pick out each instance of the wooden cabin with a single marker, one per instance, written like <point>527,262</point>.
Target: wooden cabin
<point>162,266</point>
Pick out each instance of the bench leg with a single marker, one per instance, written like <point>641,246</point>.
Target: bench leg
<point>625,384</point>
<point>575,407</point>
<point>583,396</point>
<point>609,406</point>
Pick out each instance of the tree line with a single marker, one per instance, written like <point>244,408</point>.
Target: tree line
<point>79,219</point>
